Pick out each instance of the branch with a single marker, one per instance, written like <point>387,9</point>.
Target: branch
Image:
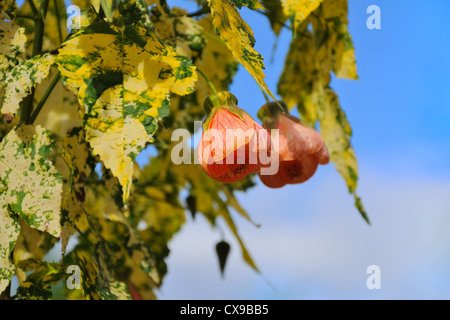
<point>58,22</point>
<point>44,98</point>
<point>39,16</point>
<point>200,12</point>
<point>165,7</point>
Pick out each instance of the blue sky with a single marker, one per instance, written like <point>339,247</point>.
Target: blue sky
<point>312,243</point>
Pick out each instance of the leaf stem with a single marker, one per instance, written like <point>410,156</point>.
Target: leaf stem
<point>44,98</point>
<point>39,16</point>
<point>211,85</point>
<point>210,35</point>
<point>200,12</point>
<point>55,4</point>
<point>24,16</point>
<point>264,94</point>
<point>33,7</point>
<point>163,4</point>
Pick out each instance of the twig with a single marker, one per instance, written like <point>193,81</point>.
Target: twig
<point>44,98</point>
<point>200,12</point>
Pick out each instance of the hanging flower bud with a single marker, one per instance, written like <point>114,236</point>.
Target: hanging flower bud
<point>232,142</point>
<point>301,149</point>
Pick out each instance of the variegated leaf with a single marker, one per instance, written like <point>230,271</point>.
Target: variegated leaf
<point>299,10</point>
<point>275,14</point>
<point>238,37</point>
<point>336,133</point>
<point>29,187</point>
<point>123,78</point>
<point>12,39</point>
<point>21,80</point>
<point>252,4</point>
<point>183,33</point>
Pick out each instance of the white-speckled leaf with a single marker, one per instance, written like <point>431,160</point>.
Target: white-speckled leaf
<point>9,232</point>
<point>123,78</point>
<point>12,39</point>
<point>29,187</point>
<point>21,80</point>
<point>29,184</point>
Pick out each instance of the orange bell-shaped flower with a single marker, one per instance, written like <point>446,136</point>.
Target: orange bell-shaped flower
<point>301,149</point>
<point>232,142</point>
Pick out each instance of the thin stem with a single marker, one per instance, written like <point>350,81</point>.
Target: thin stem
<point>210,35</point>
<point>44,98</point>
<point>24,16</point>
<point>27,104</point>
<point>165,7</point>
<point>264,94</point>
<point>200,12</point>
<point>33,7</point>
<point>55,4</point>
<point>43,9</point>
<point>208,81</point>
<point>277,21</point>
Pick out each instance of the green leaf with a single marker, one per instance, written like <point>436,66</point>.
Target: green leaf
<point>123,78</point>
<point>22,79</point>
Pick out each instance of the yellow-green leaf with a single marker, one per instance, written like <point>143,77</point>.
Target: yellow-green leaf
<point>21,80</point>
<point>12,39</point>
<point>217,62</point>
<point>75,154</point>
<point>336,51</point>
<point>245,254</point>
<point>299,10</point>
<point>29,187</point>
<point>336,133</point>
<point>305,81</point>
<point>252,4</point>
<point>238,37</point>
<point>183,33</point>
<point>123,78</point>
<point>300,83</point>
<point>275,14</point>
<point>109,8</point>
<point>9,232</point>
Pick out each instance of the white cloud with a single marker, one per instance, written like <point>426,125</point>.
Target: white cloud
<point>312,244</point>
